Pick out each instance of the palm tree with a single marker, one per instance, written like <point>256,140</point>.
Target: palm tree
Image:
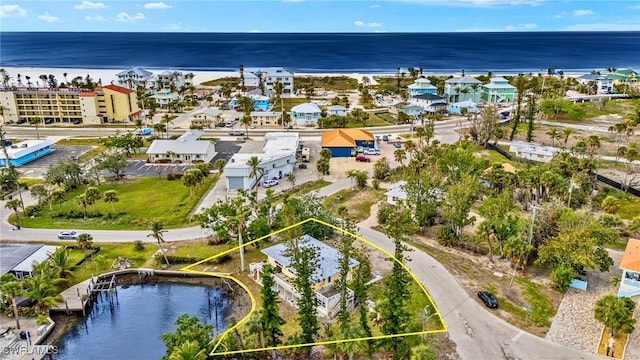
<point>566,133</point>
<point>292,179</point>
<point>616,313</point>
<point>41,289</point>
<point>61,262</point>
<point>111,196</point>
<point>246,120</point>
<point>14,204</point>
<point>157,232</point>
<point>189,350</point>
<point>593,144</point>
<point>84,242</point>
<point>12,288</point>
<point>219,164</point>
<point>400,156</point>
<point>82,201</point>
<point>554,134</point>
<point>36,123</point>
<point>256,171</point>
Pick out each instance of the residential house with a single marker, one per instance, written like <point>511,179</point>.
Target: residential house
<point>19,259</point>
<point>421,86</point>
<point>395,192</point>
<point>25,151</point>
<point>413,110</point>
<point>164,97</point>
<point>277,160</point>
<point>624,76</point>
<point>266,118</point>
<point>134,77</point>
<point>462,89</point>
<point>268,77</point>
<point>306,114</point>
<point>597,84</point>
<point>207,118</point>
<point>456,108</point>
<point>185,149</point>
<point>533,151</point>
<point>630,265</point>
<point>429,102</point>
<point>103,104</point>
<point>323,278</point>
<point>260,103</point>
<point>344,142</point>
<point>337,110</point>
<point>498,90</point>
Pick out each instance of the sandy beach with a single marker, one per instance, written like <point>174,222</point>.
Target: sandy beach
<point>109,75</point>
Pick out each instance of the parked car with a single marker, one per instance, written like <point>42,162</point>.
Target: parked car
<point>385,138</point>
<point>270,183</point>
<point>48,121</point>
<point>362,158</point>
<point>21,121</point>
<point>397,144</point>
<point>77,121</point>
<point>143,132</point>
<point>488,299</point>
<point>68,235</point>
<point>371,151</point>
<point>236,133</point>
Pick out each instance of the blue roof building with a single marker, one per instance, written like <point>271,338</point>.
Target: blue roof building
<point>26,151</point>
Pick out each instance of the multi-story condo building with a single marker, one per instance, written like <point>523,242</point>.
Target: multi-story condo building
<point>111,103</point>
<point>253,77</point>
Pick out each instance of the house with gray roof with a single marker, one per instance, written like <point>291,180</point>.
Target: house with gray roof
<point>429,102</point>
<point>207,118</point>
<point>498,91</point>
<point>133,77</point>
<point>324,276</point>
<point>596,84</point>
<point>464,88</point>
<point>185,149</point>
<point>338,110</point>
<point>19,259</point>
<point>306,114</point>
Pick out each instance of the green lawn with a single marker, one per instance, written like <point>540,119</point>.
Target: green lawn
<point>335,83</point>
<point>288,103</point>
<point>142,200</point>
<point>629,207</point>
<point>358,202</point>
<point>234,81</point>
<point>621,107</point>
<point>302,189</point>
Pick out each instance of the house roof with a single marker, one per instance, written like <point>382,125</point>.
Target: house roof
<point>87,93</point>
<point>422,80</point>
<point>428,96</point>
<point>345,137</point>
<point>37,257</point>
<point>328,257</point>
<point>306,108</point>
<point>13,254</point>
<point>25,147</point>
<point>190,135</point>
<point>463,80</point>
<point>179,147</point>
<point>136,70</point>
<point>592,77</point>
<point>498,85</point>
<point>265,113</point>
<point>208,111</point>
<point>119,89</point>
<point>631,257</point>
<point>336,108</point>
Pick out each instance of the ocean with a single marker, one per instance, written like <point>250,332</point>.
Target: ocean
<point>325,52</point>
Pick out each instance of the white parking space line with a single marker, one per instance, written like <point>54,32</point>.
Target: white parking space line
<point>518,336</point>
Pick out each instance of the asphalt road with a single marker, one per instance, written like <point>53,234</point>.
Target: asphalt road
<point>477,333</point>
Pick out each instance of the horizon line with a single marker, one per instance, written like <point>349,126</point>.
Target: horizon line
<point>330,32</point>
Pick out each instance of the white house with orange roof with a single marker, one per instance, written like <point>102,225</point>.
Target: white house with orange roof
<point>630,265</point>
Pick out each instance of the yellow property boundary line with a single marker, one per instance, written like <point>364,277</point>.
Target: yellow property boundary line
<point>253,300</point>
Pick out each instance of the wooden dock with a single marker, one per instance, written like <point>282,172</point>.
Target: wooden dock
<point>77,297</point>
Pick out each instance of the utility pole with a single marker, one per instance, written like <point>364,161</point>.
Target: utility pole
<point>533,220</point>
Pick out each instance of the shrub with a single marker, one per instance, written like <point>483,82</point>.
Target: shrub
<point>376,184</point>
<point>385,212</point>
<point>610,221</point>
<point>446,236</point>
<point>191,259</point>
<point>173,176</point>
<point>138,245</point>
<point>610,204</point>
<point>561,277</point>
<point>32,210</point>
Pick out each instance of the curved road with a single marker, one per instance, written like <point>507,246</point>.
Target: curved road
<point>477,333</point>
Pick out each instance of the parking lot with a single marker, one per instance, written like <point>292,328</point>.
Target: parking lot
<point>224,150</point>
<point>38,169</point>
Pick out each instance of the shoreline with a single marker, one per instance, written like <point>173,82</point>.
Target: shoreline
<point>108,76</point>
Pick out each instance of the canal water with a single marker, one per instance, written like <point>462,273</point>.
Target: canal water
<point>129,327</point>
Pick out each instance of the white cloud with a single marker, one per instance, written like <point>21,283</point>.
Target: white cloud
<point>12,11</point>
<point>360,23</point>
<point>125,17</point>
<point>89,5</point>
<point>582,12</point>
<point>474,3</point>
<point>603,27</point>
<point>95,18</point>
<point>528,26</point>
<point>48,18</point>
<point>156,5</point>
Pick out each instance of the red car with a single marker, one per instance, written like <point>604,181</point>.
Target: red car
<point>362,158</point>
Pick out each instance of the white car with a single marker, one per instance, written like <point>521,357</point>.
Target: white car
<point>371,151</point>
<point>68,235</point>
<point>270,183</point>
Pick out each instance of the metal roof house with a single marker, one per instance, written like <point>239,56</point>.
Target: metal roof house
<point>337,110</point>
<point>456,108</point>
<point>306,114</point>
<point>277,160</point>
<point>630,265</point>
<point>533,151</point>
<point>208,117</point>
<point>26,151</point>
<point>421,86</point>
<point>462,89</point>
<point>343,142</point>
<point>498,90</point>
<point>601,84</point>
<point>18,259</point>
<point>324,276</point>
<point>185,149</point>
<point>429,102</point>
<point>133,77</point>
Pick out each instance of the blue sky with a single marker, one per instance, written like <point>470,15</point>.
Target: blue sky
<point>319,16</point>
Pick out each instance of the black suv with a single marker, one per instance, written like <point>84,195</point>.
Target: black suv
<point>488,299</point>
